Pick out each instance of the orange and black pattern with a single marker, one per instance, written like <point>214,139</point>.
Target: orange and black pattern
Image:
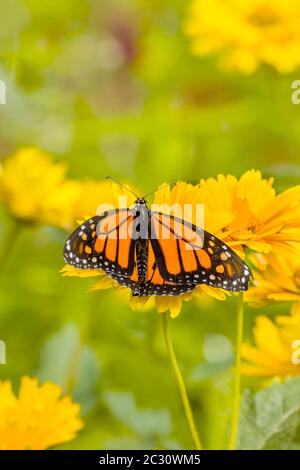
<point>172,258</point>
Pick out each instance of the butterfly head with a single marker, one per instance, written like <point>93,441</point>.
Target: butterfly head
<point>140,201</point>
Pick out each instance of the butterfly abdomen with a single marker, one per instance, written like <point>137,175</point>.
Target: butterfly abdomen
<point>142,242</point>
<point>142,259</point>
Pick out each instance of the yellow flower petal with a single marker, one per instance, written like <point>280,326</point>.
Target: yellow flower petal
<point>214,292</point>
<point>105,283</point>
<point>268,339</point>
<point>140,303</point>
<point>172,304</point>
<point>71,271</point>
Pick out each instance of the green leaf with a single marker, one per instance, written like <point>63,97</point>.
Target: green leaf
<point>270,417</point>
<point>86,379</point>
<point>66,362</point>
<point>147,422</point>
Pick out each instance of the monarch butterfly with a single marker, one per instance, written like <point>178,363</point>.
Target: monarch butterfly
<point>130,246</point>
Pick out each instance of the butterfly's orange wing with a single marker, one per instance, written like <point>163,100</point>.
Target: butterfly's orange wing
<point>191,256</point>
<point>105,242</point>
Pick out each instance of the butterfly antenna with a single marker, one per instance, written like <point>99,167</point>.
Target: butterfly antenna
<point>122,185</point>
<point>163,187</point>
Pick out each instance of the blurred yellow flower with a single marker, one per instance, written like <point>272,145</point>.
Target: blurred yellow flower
<point>38,418</point>
<point>246,33</point>
<point>277,347</point>
<point>276,279</point>
<point>34,188</point>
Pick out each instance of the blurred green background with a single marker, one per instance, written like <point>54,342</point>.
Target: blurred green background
<point>111,88</point>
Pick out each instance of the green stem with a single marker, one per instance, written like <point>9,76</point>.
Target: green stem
<point>237,378</point>
<point>180,383</point>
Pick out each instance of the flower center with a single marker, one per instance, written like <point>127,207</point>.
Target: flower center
<point>263,17</point>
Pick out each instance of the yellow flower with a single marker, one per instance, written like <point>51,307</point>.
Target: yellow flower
<point>35,189</point>
<point>276,279</point>
<point>277,347</point>
<point>247,33</point>
<point>254,216</point>
<point>38,418</point>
